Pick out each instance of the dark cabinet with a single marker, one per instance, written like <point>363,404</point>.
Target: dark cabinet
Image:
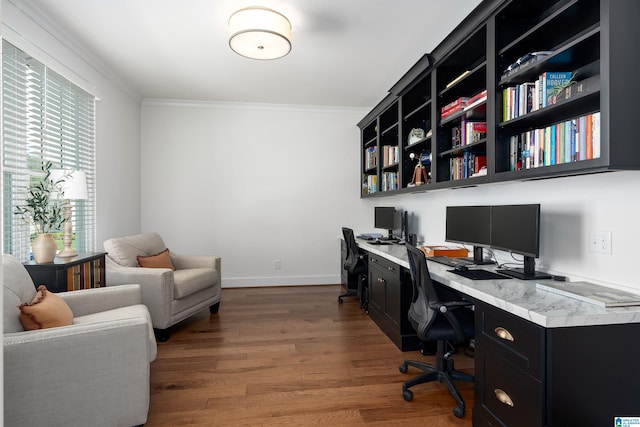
<point>389,300</point>
<point>83,271</point>
<point>528,375</point>
<point>519,90</point>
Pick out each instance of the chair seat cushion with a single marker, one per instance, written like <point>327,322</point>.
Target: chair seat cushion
<point>192,280</point>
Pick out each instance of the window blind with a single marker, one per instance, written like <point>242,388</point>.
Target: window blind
<point>45,117</point>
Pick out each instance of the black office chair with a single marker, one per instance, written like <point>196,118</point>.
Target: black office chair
<point>356,264</point>
<point>435,320</point>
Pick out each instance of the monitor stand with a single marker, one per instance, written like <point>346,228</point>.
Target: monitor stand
<point>390,237</point>
<point>527,273</point>
<point>478,257</point>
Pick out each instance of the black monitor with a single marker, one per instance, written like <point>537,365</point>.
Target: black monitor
<point>470,225</point>
<point>516,228</point>
<point>385,217</point>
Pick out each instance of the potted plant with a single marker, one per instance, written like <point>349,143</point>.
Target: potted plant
<point>44,207</point>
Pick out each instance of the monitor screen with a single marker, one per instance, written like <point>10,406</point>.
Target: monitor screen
<point>469,225</point>
<point>384,217</point>
<point>516,228</point>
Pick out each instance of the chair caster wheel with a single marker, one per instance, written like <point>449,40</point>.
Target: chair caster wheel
<point>458,411</point>
<point>408,396</point>
<point>339,300</point>
<point>403,369</point>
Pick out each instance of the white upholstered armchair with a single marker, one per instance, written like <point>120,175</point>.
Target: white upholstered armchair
<point>171,295</point>
<point>93,372</point>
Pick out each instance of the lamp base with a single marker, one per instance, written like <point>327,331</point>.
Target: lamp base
<point>67,253</point>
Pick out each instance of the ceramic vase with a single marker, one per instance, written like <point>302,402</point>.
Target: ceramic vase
<point>44,248</point>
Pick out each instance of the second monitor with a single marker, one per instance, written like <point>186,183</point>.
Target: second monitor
<point>386,218</point>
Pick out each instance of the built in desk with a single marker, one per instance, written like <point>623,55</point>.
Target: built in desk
<point>541,359</point>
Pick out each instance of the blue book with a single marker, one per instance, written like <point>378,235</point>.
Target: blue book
<point>552,83</point>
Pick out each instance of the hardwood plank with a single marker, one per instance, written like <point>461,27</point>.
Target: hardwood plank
<point>291,356</point>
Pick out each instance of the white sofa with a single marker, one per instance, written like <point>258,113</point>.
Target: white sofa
<point>94,372</point>
<point>171,296</point>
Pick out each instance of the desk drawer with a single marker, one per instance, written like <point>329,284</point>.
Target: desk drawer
<point>517,340</point>
<point>510,394</point>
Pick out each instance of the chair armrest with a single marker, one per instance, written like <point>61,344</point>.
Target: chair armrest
<point>89,301</point>
<point>182,262</point>
<point>100,362</point>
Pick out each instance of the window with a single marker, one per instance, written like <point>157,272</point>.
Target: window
<point>45,117</point>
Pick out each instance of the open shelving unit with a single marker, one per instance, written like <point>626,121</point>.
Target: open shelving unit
<point>511,49</point>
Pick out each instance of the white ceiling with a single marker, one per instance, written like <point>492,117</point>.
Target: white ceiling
<point>345,52</point>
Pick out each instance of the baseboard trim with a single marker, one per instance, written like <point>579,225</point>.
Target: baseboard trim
<point>255,282</point>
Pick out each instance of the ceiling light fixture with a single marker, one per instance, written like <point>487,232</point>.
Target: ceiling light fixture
<point>259,33</point>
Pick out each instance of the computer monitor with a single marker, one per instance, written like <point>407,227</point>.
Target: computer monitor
<point>470,225</point>
<point>385,217</point>
<point>516,228</point>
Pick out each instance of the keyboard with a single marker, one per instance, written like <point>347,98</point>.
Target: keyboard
<point>448,261</point>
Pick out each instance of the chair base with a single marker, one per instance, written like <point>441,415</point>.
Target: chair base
<point>361,293</point>
<point>443,371</point>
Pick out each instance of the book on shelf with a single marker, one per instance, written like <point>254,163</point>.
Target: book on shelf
<point>525,60</point>
<point>390,155</point>
<point>466,166</point>
<point>552,82</point>
<point>476,100</point>
<point>564,142</point>
<point>369,184</point>
<point>371,157</point>
<point>453,107</point>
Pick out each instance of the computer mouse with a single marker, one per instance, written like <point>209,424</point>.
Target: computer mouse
<point>461,268</point>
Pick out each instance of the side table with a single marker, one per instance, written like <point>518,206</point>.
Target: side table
<point>84,271</point>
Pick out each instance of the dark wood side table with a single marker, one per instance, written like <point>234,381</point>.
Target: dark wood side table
<point>84,271</point>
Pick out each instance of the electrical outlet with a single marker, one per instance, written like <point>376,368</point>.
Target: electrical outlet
<point>600,242</point>
<point>277,264</point>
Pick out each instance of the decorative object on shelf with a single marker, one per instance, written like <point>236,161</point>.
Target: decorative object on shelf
<point>43,206</point>
<point>259,33</point>
<point>415,135</point>
<point>420,174</point>
<point>74,187</point>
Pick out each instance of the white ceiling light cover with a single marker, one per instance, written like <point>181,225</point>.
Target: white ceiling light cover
<point>259,33</point>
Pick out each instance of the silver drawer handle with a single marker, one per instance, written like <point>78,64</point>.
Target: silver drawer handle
<point>391,269</point>
<point>380,280</point>
<point>503,397</point>
<point>504,334</point>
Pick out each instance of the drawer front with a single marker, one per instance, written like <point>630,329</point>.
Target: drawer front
<point>376,288</point>
<point>517,340</point>
<point>510,394</point>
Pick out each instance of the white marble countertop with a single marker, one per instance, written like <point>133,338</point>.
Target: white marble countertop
<point>519,297</point>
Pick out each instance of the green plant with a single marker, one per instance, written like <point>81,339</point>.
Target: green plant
<point>44,204</point>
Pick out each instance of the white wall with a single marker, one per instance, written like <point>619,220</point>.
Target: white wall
<point>252,184</point>
<point>117,115</point>
<point>570,208</point>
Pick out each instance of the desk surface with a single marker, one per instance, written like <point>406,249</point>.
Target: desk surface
<point>519,297</point>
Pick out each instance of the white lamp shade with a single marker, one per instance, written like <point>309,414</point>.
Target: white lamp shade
<point>74,185</point>
<point>259,33</point>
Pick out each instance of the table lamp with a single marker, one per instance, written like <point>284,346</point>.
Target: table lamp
<point>74,188</point>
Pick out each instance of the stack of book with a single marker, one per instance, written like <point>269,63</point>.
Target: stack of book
<point>565,142</point>
<point>453,107</point>
<point>531,96</point>
<point>390,155</point>
<point>371,158</point>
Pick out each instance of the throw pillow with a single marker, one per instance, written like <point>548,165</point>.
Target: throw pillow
<point>46,310</point>
<point>161,260</point>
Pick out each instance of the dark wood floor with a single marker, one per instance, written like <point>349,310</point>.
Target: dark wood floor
<point>291,356</point>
